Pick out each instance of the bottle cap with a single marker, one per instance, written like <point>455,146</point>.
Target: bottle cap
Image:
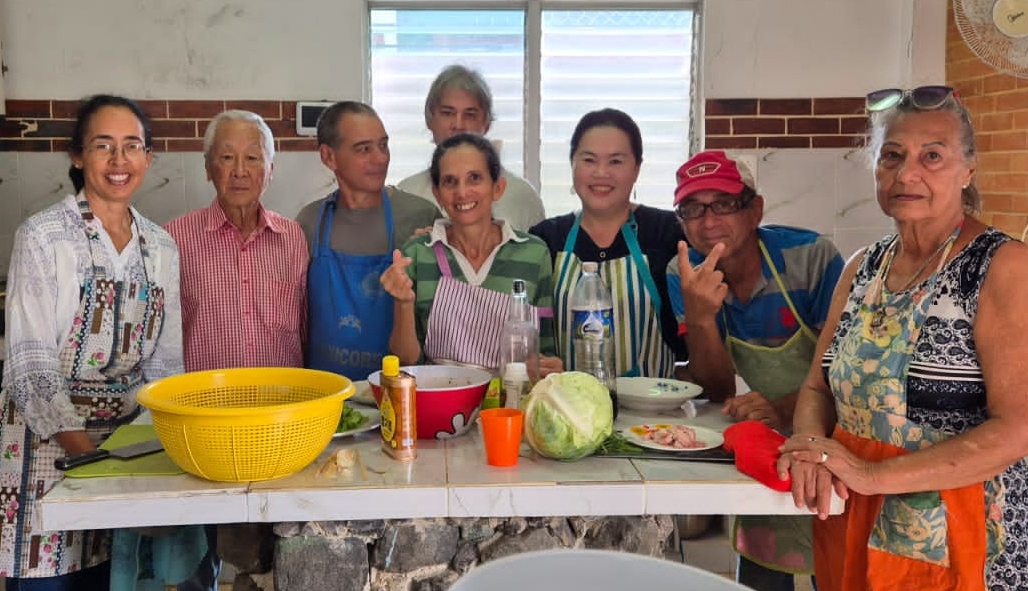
<point>391,366</point>
<point>589,266</point>
<point>516,371</point>
<point>519,286</point>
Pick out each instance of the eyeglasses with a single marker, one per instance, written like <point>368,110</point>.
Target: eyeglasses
<point>922,97</point>
<point>694,210</point>
<point>107,150</point>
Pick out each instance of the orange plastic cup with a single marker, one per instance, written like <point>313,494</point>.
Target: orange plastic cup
<point>501,430</point>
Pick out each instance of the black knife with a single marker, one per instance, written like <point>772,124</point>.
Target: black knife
<point>122,453</point>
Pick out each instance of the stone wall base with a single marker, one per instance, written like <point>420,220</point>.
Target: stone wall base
<point>418,554</point>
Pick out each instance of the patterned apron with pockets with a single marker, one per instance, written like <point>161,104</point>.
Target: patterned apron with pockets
<point>778,542</point>
<point>638,344</point>
<point>890,540</point>
<point>351,314</point>
<point>116,327</point>
<point>466,321</point>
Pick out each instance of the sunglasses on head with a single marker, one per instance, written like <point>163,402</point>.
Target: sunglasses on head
<point>922,97</point>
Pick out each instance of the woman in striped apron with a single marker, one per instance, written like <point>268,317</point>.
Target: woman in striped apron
<point>93,313</point>
<point>632,244</point>
<point>452,287</point>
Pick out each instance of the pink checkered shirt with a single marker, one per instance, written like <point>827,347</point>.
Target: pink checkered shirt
<point>244,302</point>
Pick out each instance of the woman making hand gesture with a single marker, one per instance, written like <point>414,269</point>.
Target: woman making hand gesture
<point>451,286</point>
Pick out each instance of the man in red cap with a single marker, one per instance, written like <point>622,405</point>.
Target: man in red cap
<point>750,300</point>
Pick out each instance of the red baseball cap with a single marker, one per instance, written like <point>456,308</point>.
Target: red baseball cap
<point>712,170</point>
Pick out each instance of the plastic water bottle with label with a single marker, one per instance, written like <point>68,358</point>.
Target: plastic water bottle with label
<point>592,311</point>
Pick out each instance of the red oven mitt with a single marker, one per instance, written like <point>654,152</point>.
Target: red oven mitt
<point>755,446</point>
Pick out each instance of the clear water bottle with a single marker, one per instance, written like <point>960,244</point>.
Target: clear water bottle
<point>519,349</point>
<point>593,330</point>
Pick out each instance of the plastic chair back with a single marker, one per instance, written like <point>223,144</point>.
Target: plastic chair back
<point>594,570</point>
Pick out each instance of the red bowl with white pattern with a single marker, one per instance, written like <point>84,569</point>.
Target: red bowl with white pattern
<point>448,400</point>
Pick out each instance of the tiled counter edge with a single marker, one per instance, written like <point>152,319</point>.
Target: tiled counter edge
<point>449,479</point>
<point>139,501</point>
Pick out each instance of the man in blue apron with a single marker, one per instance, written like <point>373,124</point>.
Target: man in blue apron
<point>352,233</point>
<point>750,300</point>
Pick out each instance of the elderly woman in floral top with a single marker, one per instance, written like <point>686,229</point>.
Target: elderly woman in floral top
<point>916,412</point>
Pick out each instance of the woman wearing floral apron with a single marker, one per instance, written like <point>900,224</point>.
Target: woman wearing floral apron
<point>452,287</point>
<point>632,244</point>
<point>93,313</point>
<point>923,390</point>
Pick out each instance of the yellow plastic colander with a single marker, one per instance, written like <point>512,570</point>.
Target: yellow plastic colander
<point>255,423</point>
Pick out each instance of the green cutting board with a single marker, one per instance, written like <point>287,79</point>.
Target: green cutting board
<point>155,464</point>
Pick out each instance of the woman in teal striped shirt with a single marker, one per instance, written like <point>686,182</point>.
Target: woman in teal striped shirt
<point>451,287</point>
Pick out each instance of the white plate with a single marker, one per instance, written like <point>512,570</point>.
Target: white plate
<point>363,394</point>
<point>374,422</point>
<point>655,394</point>
<point>635,434</point>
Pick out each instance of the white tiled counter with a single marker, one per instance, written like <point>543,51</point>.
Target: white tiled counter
<point>449,479</point>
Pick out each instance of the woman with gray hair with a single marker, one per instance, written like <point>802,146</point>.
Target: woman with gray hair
<point>916,413</point>
<point>459,101</point>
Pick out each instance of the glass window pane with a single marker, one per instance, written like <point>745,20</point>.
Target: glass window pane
<point>638,61</point>
<point>410,47</point>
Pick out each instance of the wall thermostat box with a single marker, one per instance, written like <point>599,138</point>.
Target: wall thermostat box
<point>307,114</point>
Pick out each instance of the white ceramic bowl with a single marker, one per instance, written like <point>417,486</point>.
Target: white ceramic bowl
<point>655,394</point>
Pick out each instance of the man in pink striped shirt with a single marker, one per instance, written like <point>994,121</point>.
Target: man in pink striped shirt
<point>244,268</point>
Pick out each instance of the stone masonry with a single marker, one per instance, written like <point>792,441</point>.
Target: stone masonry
<point>419,554</point>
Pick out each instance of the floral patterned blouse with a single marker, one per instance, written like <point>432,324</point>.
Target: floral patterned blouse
<point>50,245</point>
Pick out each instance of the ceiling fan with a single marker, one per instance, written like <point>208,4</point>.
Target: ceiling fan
<point>996,31</point>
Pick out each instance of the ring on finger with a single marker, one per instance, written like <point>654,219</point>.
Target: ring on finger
<point>813,439</point>
<point>823,458</point>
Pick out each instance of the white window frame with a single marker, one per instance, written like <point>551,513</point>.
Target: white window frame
<point>533,50</point>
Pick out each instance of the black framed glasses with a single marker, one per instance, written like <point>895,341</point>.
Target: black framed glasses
<point>107,150</point>
<point>694,210</point>
<point>922,97</point>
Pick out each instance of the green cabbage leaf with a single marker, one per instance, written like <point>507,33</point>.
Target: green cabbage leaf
<point>567,415</point>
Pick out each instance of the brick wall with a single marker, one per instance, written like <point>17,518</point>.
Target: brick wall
<point>746,124</point>
<point>999,108</point>
<point>178,126</point>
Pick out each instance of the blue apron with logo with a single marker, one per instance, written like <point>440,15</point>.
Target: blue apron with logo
<point>351,314</point>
